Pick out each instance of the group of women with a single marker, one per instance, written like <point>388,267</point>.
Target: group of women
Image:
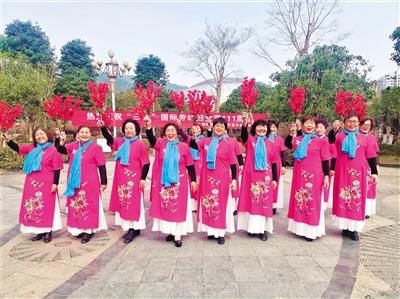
<point>202,173</point>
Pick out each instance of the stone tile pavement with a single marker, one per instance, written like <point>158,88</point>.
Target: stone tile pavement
<point>285,266</point>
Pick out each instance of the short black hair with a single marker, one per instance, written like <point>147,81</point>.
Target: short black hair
<point>134,122</point>
<point>220,120</point>
<point>47,132</point>
<point>370,119</point>
<point>271,122</point>
<point>322,121</point>
<point>258,122</point>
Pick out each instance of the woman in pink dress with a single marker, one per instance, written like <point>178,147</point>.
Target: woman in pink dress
<point>366,126</point>
<point>310,177</point>
<point>40,211</point>
<point>355,153</point>
<point>215,211</point>
<point>280,161</point>
<point>258,182</point>
<point>320,129</point>
<point>234,144</point>
<point>169,196</point>
<point>85,209</point>
<point>197,134</point>
<point>131,169</point>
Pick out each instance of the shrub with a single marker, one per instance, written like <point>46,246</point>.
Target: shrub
<point>10,160</point>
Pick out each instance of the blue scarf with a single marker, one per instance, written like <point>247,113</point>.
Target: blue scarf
<point>170,168</point>
<point>74,177</point>
<point>33,161</point>
<point>349,145</point>
<point>301,152</point>
<point>212,152</point>
<point>195,152</point>
<point>271,137</point>
<point>260,154</point>
<point>124,150</point>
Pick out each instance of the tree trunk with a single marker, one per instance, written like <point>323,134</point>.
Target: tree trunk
<point>218,90</point>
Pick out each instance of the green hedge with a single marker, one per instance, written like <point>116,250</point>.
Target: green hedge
<point>9,159</point>
<point>389,149</point>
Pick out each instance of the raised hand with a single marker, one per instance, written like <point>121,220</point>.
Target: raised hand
<point>100,123</point>
<point>147,122</point>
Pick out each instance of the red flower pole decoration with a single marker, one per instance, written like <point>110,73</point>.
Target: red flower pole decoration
<point>59,108</point>
<point>346,103</point>
<point>195,103</point>
<point>249,92</point>
<point>147,97</point>
<point>296,101</point>
<point>207,103</point>
<point>179,100</point>
<point>8,115</point>
<point>98,95</point>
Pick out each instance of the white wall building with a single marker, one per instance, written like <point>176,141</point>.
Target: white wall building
<point>389,80</point>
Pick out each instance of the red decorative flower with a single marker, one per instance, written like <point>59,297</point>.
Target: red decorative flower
<point>147,97</point>
<point>194,97</point>
<point>98,94</point>
<point>296,100</point>
<point>207,103</point>
<point>61,108</point>
<point>346,103</point>
<point>8,115</point>
<point>249,92</point>
<point>178,97</point>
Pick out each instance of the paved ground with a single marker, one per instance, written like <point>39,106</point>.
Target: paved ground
<point>285,266</point>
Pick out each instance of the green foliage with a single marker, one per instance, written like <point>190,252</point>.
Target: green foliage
<point>395,56</point>
<point>386,108</point>
<point>29,40</point>
<point>164,102</point>
<point>75,84</point>
<point>76,54</point>
<point>150,68</point>
<point>21,82</point>
<point>9,159</point>
<point>126,100</point>
<point>389,150</point>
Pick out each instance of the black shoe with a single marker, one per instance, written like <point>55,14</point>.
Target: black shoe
<point>170,238</point>
<point>366,217</point>
<point>354,236</point>
<point>308,239</point>
<point>234,213</point>
<point>274,211</point>
<point>251,235</point>
<point>131,235</point>
<point>47,237</point>
<point>38,237</point>
<point>264,236</point>
<point>80,236</point>
<point>345,233</point>
<point>178,243</point>
<point>210,237</point>
<point>221,240</point>
<point>86,238</point>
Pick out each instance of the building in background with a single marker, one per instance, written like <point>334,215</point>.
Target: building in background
<point>386,81</point>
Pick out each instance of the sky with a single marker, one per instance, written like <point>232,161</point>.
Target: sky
<point>134,29</point>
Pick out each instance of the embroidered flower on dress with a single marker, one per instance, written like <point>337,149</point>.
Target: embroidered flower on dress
<point>350,195</point>
<point>260,190</point>
<point>169,197</point>
<point>304,195</point>
<point>33,207</point>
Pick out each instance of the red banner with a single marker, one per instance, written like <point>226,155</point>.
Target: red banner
<point>158,119</point>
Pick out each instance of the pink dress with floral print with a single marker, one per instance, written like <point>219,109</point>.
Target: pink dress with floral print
<point>83,206</point>
<point>125,193</point>
<point>279,144</point>
<point>256,194</point>
<point>38,202</point>
<point>170,204</point>
<point>214,184</point>
<point>307,182</point>
<point>350,185</point>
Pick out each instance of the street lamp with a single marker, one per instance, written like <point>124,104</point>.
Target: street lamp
<point>112,69</point>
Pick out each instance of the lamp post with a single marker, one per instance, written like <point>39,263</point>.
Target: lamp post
<point>112,69</point>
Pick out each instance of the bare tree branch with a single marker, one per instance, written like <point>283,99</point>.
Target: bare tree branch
<point>209,55</point>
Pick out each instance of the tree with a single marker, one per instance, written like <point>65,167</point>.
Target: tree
<point>125,100</point>
<point>75,84</point>
<point>29,40</point>
<point>395,56</point>
<point>323,72</point>
<point>211,54</point>
<point>76,54</point>
<point>296,24</point>
<point>27,84</point>
<point>150,68</point>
